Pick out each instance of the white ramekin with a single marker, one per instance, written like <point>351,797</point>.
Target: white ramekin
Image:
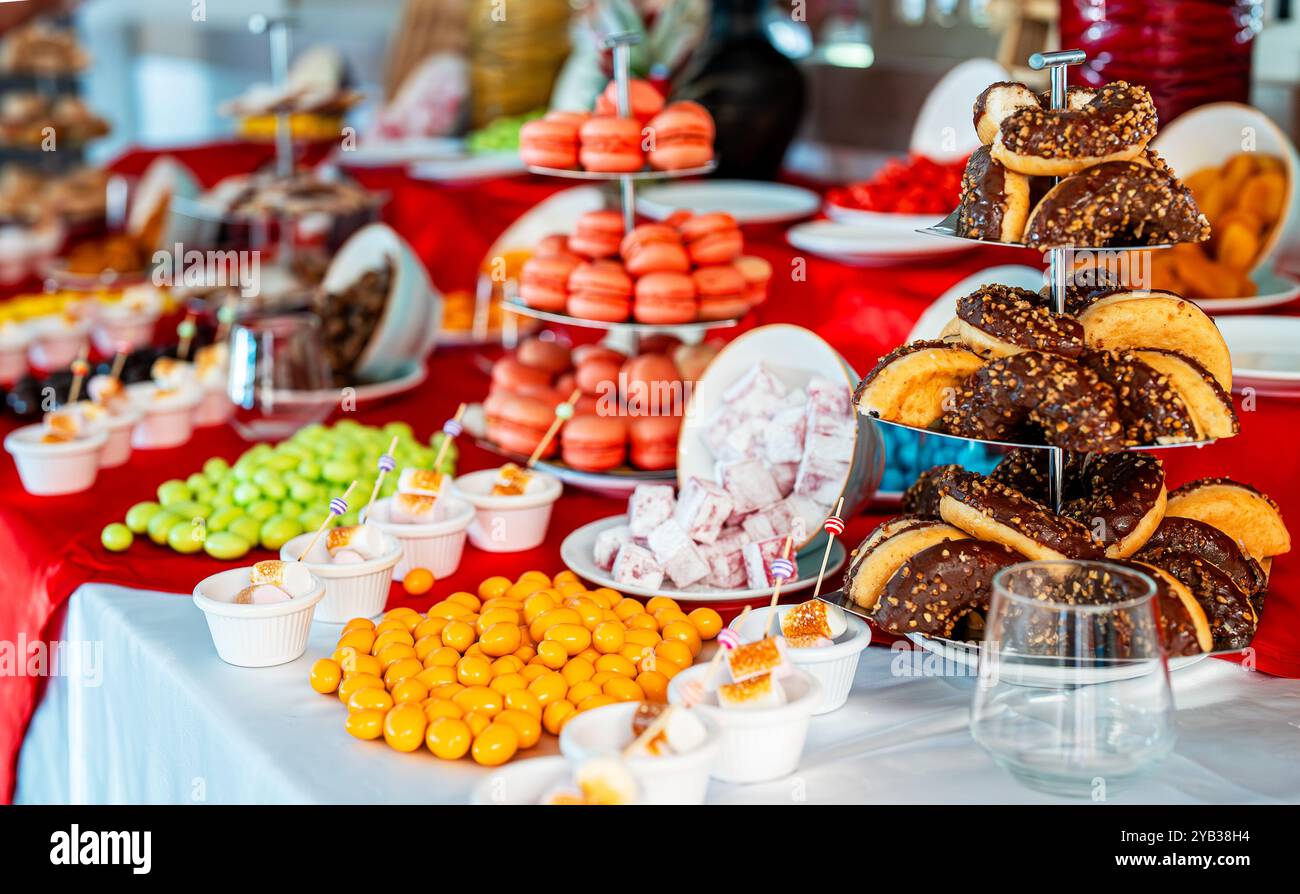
<point>115,330</point>
<point>351,591</point>
<point>508,524</point>
<point>667,779</point>
<point>163,424</point>
<point>13,364</point>
<point>834,666</point>
<point>57,350</point>
<point>758,744</point>
<point>214,408</point>
<point>67,467</point>
<point>120,427</point>
<point>254,635</point>
<point>437,546</point>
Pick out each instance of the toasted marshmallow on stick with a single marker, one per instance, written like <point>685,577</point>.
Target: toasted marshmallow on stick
<point>413,509</point>
<point>511,481</point>
<point>64,424</point>
<point>424,482</point>
<point>812,624</point>
<point>364,541</point>
<point>292,577</point>
<point>261,594</point>
<point>755,692</point>
<point>766,656</point>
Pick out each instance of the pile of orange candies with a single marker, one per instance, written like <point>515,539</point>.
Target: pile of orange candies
<point>486,674</point>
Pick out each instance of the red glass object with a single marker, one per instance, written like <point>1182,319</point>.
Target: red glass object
<point>1186,52</point>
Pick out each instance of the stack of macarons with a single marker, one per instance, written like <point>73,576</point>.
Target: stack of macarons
<point>629,412</point>
<point>687,268</point>
<point>669,137</point>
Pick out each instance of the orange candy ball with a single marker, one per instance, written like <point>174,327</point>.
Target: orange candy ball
<point>418,581</point>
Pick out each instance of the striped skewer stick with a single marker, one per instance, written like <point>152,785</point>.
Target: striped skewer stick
<point>338,506</point>
<point>80,369</point>
<point>451,430</point>
<point>834,527</point>
<point>386,464</point>
<point>693,692</point>
<point>782,570</point>
<point>186,329</point>
<point>563,413</point>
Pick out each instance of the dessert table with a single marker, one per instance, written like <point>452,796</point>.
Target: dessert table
<point>158,718</point>
<point>155,644</point>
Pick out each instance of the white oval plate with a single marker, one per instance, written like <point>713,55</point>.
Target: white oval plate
<point>869,245</point>
<point>748,201</point>
<point>1274,290</point>
<point>943,128</point>
<point>578,547</point>
<point>902,223</point>
<point>1262,347</point>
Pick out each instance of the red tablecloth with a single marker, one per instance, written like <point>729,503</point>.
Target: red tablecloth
<point>52,544</point>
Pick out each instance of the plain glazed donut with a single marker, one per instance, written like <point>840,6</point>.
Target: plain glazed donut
<point>1114,124</point>
<point>1217,548</point>
<point>1117,203</point>
<point>1150,409</point>
<point>1036,395</point>
<point>1245,514</point>
<point>937,588</point>
<point>880,555</point>
<point>998,321</point>
<point>1232,617</point>
<point>1122,501</point>
<point>1162,320</point>
<point>988,510</point>
<point>911,384</point>
<point>994,203</point>
<point>1210,406</point>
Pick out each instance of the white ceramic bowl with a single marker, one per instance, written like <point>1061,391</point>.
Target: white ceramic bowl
<point>55,346</point>
<point>166,423</point>
<point>1209,135</point>
<point>834,666</point>
<point>508,524</point>
<point>522,782</point>
<point>351,591</point>
<point>13,352</point>
<point>46,470</point>
<point>214,408</point>
<point>437,546</point>
<point>120,330</point>
<point>668,779</point>
<point>408,329</point>
<point>758,744</point>
<point>254,635</point>
<point>120,428</point>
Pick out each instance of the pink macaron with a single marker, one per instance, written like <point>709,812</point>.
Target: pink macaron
<point>594,443</point>
<point>712,238</point>
<point>543,282</point>
<point>600,290</point>
<point>549,144</point>
<point>550,357</point>
<point>665,299</point>
<point>652,386</point>
<point>681,137</point>
<point>654,248</point>
<point>654,441</point>
<point>518,422</point>
<point>722,292</point>
<point>645,100</point>
<point>757,273</point>
<point>597,234</point>
<point>611,145</point>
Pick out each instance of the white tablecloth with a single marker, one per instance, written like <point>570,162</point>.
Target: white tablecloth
<point>167,722</point>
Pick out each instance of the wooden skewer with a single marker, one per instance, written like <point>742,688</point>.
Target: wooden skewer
<point>715,663</point>
<point>447,439</point>
<point>649,733</point>
<point>379,482</point>
<point>826,556</point>
<point>776,590</point>
<point>79,374</point>
<point>118,362</point>
<point>555,426</point>
<point>188,329</point>
<point>326,523</point>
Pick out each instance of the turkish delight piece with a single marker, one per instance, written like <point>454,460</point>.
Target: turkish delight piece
<point>608,543</point>
<point>636,566</point>
<point>677,554</point>
<point>821,480</point>
<point>756,393</point>
<point>702,509</point>
<point>726,566</point>
<point>758,525</point>
<point>784,435</point>
<point>649,507</point>
<point>749,484</point>
<point>758,556</point>
<point>784,474</point>
<point>831,440</point>
<point>828,399</point>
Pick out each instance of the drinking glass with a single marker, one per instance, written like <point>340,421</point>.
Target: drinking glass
<point>1073,696</point>
<point>279,378</point>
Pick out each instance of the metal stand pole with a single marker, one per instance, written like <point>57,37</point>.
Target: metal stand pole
<point>1058,262</point>
<point>277,31</point>
<point>621,44</point>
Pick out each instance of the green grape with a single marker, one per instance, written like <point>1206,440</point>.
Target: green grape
<point>279,530</point>
<point>246,527</point>
<point>216,469</point>
<point>262,509</point>
<point>401,429</point>
<point>311,519</point>
<point>116,537</point>
<point>198,481</point>
<point>282,462</point>
<point>226,545</point>
<point>221,518</point>
<point>246,493</point>
<point>137,517</point>
<point>275,490</point>
<point>186,537</point>
<point>173,491</point>
<point>339,472</point>
<point>304,491</point>
<point>190,509</point>
<point>309,469</point>
<point>160,525</point>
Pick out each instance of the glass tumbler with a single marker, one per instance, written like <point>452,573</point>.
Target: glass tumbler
<point>1073,697</point>
<point>279,377</point>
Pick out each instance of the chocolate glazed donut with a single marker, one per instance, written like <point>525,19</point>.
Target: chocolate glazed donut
<point>1025,470</point>
<point>988,510</point>
<point>1122,500</point>
<point>1117,203</point>
<point>994,203</point>
<point>936,589</point>
<point>922,498</point>
<point>1183,625</point>
<point>1150,408</point>
<point>1032,393</point>
<point>998,321</point>
<point>1217,548</point>
<point>1232,618</point>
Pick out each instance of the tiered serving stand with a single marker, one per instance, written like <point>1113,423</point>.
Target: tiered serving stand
<point>966,653</point>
